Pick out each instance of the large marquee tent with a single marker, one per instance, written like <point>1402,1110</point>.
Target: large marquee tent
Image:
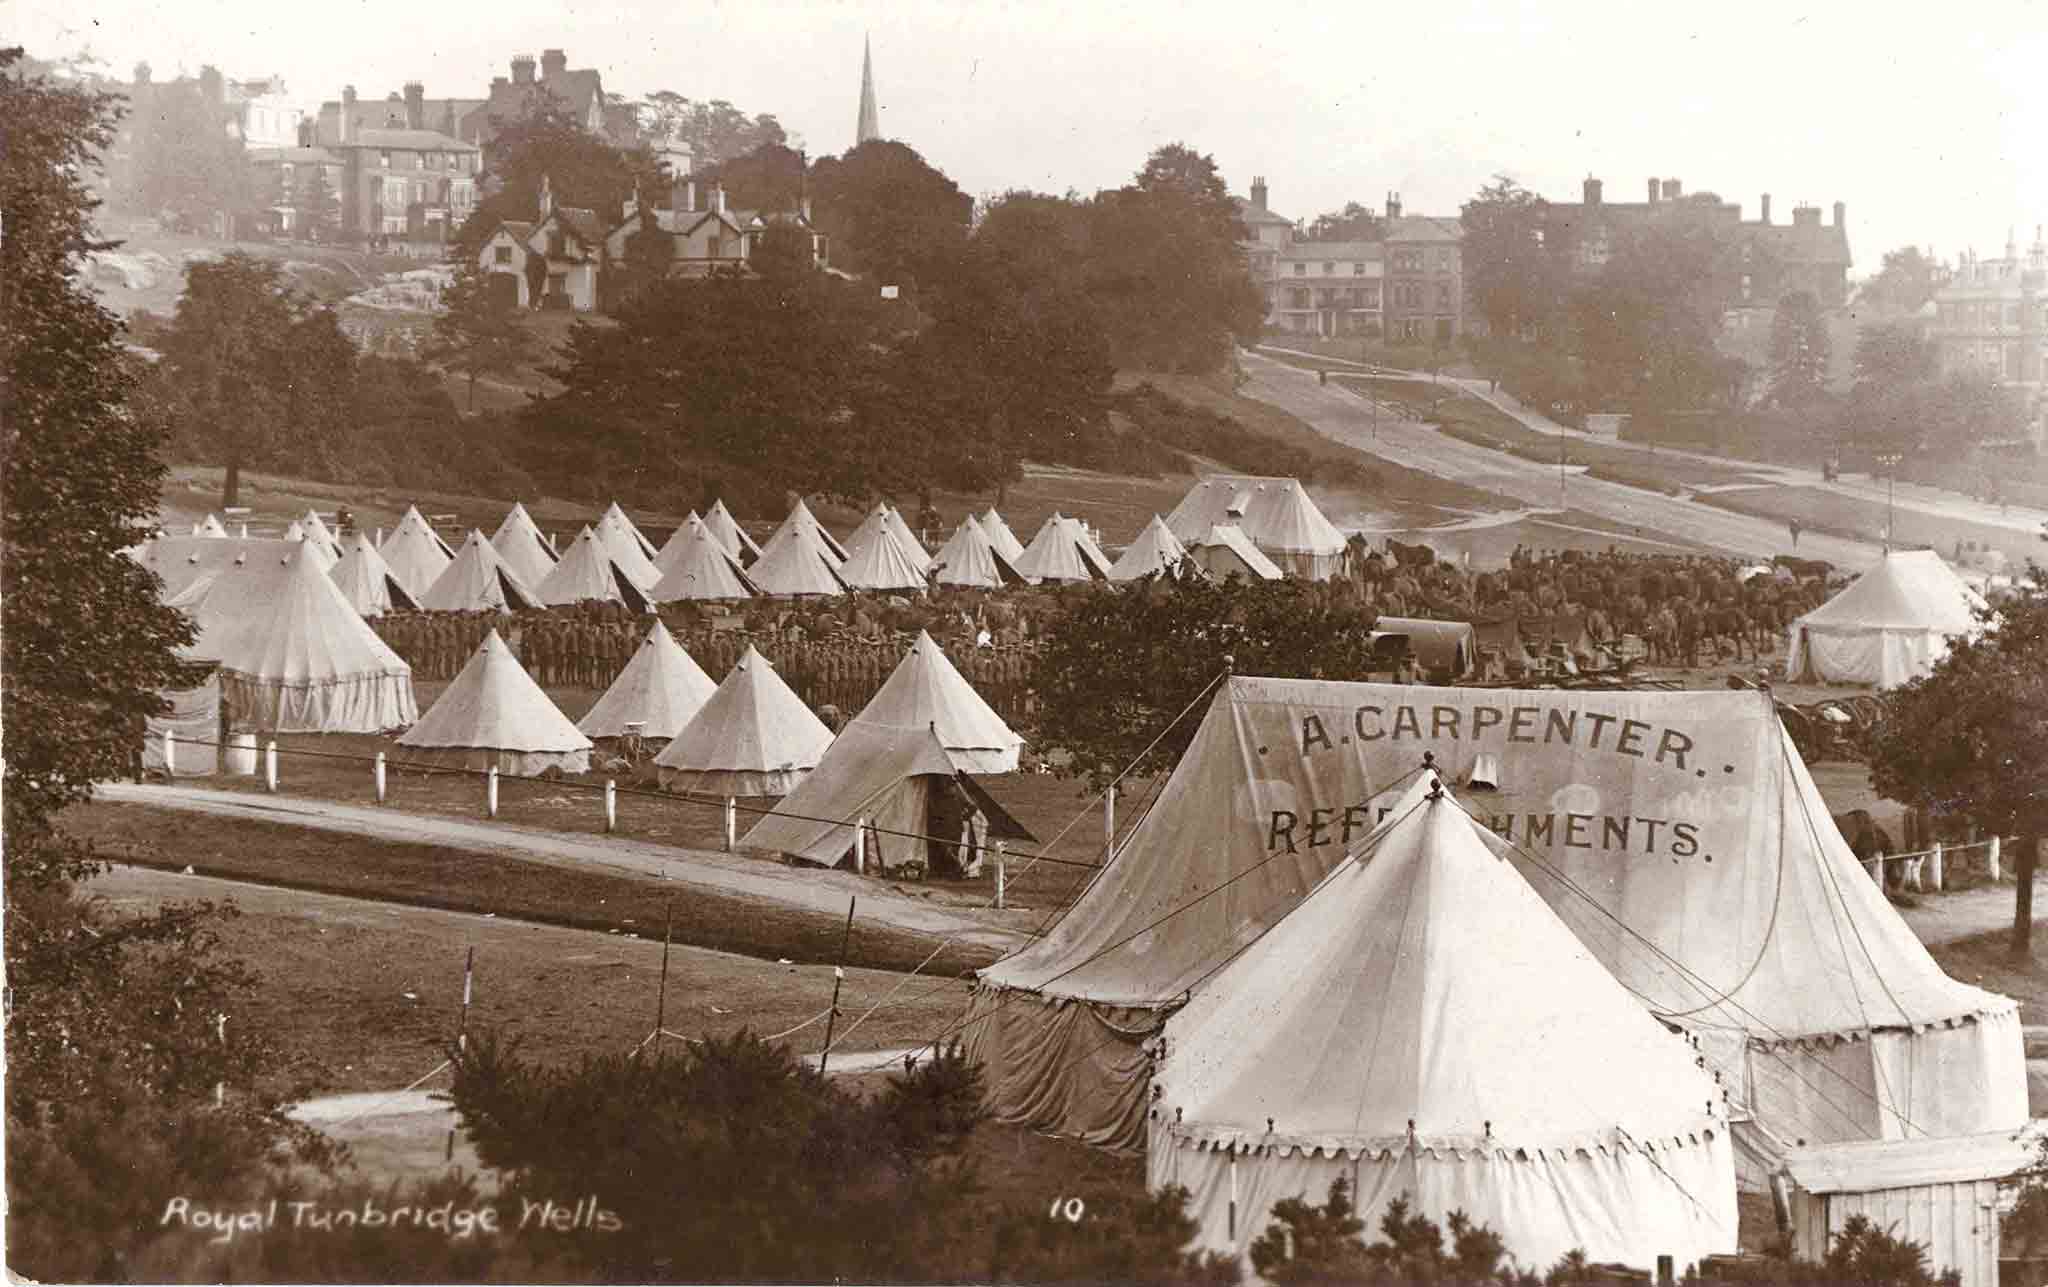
<point>293,656</point>
<point>1276,513</point>
<point>1891,625</point>
<point>1423,1026</point>
<point>494,715</point>
<point>1676,833</point>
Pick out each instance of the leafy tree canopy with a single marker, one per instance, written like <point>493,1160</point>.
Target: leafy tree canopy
<point>892,217</point>
<point>1907,280</point>
<point>1353,223</point>
<point>1800,350</point>
<point>715,131</point>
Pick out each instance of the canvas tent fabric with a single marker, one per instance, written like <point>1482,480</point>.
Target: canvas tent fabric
<point>1676,833</point>
<point>797,563</point>
<point>697,567</point>
<point>876,526</point>
<point>479,580</point>
<point>1422,1024</point>
<point>677,540</point>
<point>315,530</point>
<point>587,571</point>
<point>1225,550</point>
<point>970,561</point>
<point>801,520</point>
<point>880,563</point>
<point>1156,551</point>
<point>321,551</point>
<point>730,534</point>
<point>178,561</point>
<point>211,527</point>
<point>754,736</point>
<point>629,550</point>
<point>525,550</point>
<point>367,581</point>
<point>888,776</point>
<point>494,715</point>
<point>1062,551</point>
<point>1000,535</point>
<point>294,657</point>
<point>1276,513</point>
<point>1890,626</point>
<point>1451,647</point>
<point>194,722</point>
<point>416,553</point>
<point>927,691</point>
<point>892,518</point>
<point>662,688</point>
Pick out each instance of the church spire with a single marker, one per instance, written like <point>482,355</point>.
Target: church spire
<point>870,127</point>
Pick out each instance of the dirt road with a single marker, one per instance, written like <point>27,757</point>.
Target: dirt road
<point>1348,418</point>
<point>822,892</point>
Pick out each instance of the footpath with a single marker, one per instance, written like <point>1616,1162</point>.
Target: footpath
<point>821,892</point>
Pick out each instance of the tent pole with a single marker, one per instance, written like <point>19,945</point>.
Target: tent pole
<point>838,977</point>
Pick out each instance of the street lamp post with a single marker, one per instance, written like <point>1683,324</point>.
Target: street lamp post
<point>1890,460</point>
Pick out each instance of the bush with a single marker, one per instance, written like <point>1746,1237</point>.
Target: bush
<point>1107,1236</point>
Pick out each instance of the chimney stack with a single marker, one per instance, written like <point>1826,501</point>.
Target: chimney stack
<point>1653,192</point>
<point>1592,191</point>
<point>522,70</point>
<point>348,113</point>
<point>1393,205</point>
<point>1765,217</point>
<point>1259,193</point>
<point>1841,214</point>
<point>1673,190</point>
<point>553,62</point>
<point>547,198</point>
<point>718,195</point>
<point>415,105</point>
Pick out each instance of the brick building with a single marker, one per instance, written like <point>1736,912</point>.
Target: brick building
<point>1992,316</point>
<point>1310,287</point>
<point>1425,277</point>
<point>402,181</point>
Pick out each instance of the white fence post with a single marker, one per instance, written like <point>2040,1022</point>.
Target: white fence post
<point>1934,865</point>
<point>1002,861</point>
<point>270,765</point>
<point>1875,866</point>
<point>860,846</point>
<point>611,805</point>
<point>491,792</point>
<point>1991,859</point>
<point>380,777</point>
<point>732,823</point>
<point>170,754</point>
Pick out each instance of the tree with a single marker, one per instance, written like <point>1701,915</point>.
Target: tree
<point>1179,170</point>
<point>189,165</point>
<point>1120,665</point>
<point>1646,325</point>
<point>715,132</point>
<point>1114,1238</point>
<point>316,205</point>
<point>111,1039</point>
<point>1963,741</point>
<point>1800,349</point>
<point>891,216</point>
<point>771,178</point>
<point>229,357</point>
<point>1894,353</point>
<point>1907,281</point>
<point>547,142</point>
<point>1353,223</point>
<point>476,336</point>
<point>1513,281</point>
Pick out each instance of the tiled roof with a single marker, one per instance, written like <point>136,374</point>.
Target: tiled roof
<point>1424,228</point>
<point>1334,250</point>
<point>1251,214</point>
<point>410,141</point>
<point>296,155</point>
<point>519,228</point>
<point>581,222</point>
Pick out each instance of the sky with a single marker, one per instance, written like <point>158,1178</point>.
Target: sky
<point>1931,124</point>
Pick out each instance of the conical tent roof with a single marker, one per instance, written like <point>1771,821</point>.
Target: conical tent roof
<point>1889,626</point>
<point>698,567</point>
<point>629,550</point>
<point>892,518</point>
<point>416,553</point>
<point>1157,549</point>
<point>1225,549</point>
<point>796,562</point>
<point>730,534</point>
<point>587,571</point>
<point>494,706</point>
<point>1062,551</point>
<point>319,531</point>
<point>294,656</point>
<point>1276,513</point>
<point>872,527</point>
<point>525,550</point>
<point>210,527</point>
<point>676,541</point>
<point>868,772</point>
<point>322,553</point>
<point>881,564</point>
<point>617,517</point>
<point>754,736</point>
<point>802,520</point>
<point>478,579</point>
<point>1000,536</point>
<point>969,560</point>
<point>661,689</point>
<point>367,582</point>
<point>1676,833</point>
<point>927,691</point>
<point>1423,999</point>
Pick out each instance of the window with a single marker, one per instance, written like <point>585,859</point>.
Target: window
<point>1358,270</point>
<point>1443,295</point>
<point>1745,286</point>
<point>1297,298</point>
<point>1328,268</point>
<point>2012,315</point>
<point>1301,270</point>
<point>384,158</point>
<point>501,254</point>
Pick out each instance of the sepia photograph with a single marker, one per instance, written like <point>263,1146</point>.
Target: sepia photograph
<point>1031,643</point>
